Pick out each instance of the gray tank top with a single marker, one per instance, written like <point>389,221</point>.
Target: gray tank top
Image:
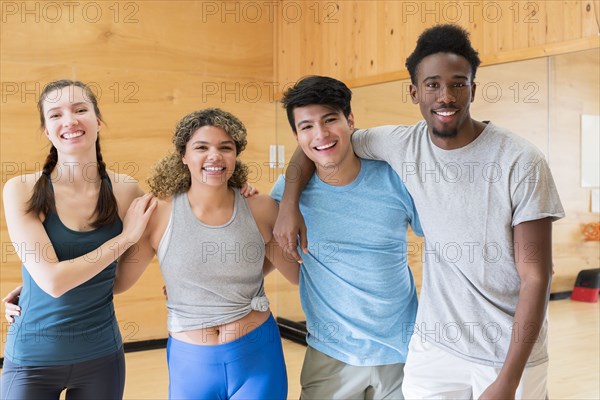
<point>213,274</point>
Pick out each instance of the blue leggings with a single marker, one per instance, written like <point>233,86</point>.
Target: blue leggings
<point>101,378</point>
<point>251,367</point>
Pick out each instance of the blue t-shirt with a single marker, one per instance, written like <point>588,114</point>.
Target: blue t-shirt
<point>356,288</point>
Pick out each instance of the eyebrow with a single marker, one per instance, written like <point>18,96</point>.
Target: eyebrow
<point>433,77</point>
<point>323,116</point>
<point>72,105</point>
<point>205,142</point>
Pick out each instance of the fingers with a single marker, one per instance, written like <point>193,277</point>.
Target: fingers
<point>141,201</point>
<point>290,245</point>
<point>150,209</point>
<point>144,200</point>
<point>13,294</point>
<point>303,238</point>
<point>248,190</point>
<point>11,310</point>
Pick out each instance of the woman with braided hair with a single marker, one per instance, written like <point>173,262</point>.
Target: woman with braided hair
<point>69,225</point>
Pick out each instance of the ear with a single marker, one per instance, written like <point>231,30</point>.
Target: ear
<point>473,88</point>
<point>183,160</point>
<point>99,124</point>
<point>351,120</point>
<point>414,93</point>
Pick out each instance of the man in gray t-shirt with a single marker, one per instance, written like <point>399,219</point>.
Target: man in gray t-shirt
<point>486,199</point>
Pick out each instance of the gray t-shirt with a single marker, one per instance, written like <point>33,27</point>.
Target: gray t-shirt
<point>469,199</point>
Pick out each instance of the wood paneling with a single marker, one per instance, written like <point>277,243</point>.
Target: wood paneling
<point>365,42</point>
<point>151,62</point>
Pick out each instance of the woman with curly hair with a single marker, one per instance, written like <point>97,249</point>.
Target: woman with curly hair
<point>211,244</point>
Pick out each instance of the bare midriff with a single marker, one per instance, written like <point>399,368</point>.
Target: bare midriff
<point>223,333</point>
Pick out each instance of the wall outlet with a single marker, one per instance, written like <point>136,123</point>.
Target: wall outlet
<point>596,200</point>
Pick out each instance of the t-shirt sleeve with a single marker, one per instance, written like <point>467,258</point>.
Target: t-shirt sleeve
<point>277,191</point>
<point>534,195</point>
<point>376,143</point>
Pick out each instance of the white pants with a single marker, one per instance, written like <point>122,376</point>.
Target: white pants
<point>432,373</point>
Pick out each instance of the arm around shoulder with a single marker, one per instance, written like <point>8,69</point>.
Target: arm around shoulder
<point>27,232</point>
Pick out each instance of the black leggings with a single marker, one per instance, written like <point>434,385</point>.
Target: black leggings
<point>102,378</point>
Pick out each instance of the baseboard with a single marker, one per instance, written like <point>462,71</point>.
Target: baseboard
<point>292,330</point>
<point>288,330</point>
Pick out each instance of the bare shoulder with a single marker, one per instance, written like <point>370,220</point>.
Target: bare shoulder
<point>264,208</point>
<point>124,185</point>
<point>20,186</point>
<point>262,203</point>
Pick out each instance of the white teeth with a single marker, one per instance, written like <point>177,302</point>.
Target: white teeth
<point>445,113</point>
<point>325,146</point>
<point>72,135</point>
<point>214,169</point>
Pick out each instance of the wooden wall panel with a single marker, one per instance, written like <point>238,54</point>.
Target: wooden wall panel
<point>152,63</point>
<point>377,36</point>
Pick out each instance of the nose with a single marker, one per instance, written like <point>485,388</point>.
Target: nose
<point>215,155</point>
<point>446,95</point>
<point>69,119</point>
<point>321,131</point>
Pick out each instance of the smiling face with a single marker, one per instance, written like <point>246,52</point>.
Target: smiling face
<point>323,133</point>
<point>70,121</point>
<point>210,155</point>
<point>444,91</point>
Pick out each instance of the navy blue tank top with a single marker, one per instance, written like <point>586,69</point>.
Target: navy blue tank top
<point>78,326</point>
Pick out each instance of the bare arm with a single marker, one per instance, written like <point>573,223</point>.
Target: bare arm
<point>35,250</point>
<point>264,209</point>
<point>132,264</point>
<point>135,261</point>
<point>290,224</point>
<point>533,256</point>
<point>281,260</point>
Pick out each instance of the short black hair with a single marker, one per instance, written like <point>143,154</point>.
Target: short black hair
<point>445,38</point>
<point>316,89</point>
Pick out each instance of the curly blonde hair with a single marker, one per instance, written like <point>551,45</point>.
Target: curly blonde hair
<point>171,176</point>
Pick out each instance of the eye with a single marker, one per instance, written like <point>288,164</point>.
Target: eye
<point>331,119</point>
<point>52,116</point>
<point>433,85</point>
<point>81,110</point>
<point>305,127</point>
<point>459,85</point>
<point>227,148</point>
<point>201,147</point>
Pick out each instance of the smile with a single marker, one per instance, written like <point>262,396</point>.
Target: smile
<point>71,135</point>
<point>213,169</point>
<point>445,113</point>
<point>326,146</point>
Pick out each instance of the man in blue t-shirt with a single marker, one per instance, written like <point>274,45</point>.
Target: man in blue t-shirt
<point>356,288</point>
